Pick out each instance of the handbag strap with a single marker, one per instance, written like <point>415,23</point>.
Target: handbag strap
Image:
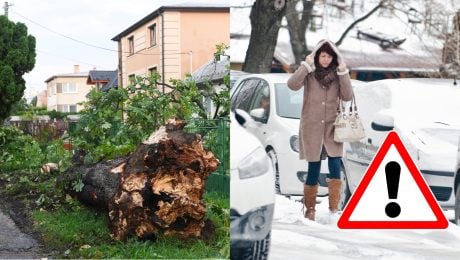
<point>353,106</point>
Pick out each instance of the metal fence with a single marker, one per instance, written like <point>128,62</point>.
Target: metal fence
<point>215,135</point>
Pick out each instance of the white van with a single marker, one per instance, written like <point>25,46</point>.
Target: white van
<point>424,112</point>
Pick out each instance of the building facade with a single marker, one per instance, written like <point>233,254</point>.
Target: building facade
<point>172,40</point>
<point>65,91</point>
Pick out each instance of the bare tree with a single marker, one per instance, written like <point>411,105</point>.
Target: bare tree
<point>451,49</point>
<point>297,26</point>
<point>265,18</point>
<point>353,24</point>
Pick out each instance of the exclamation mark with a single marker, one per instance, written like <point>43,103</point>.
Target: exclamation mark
<point>392,172</point>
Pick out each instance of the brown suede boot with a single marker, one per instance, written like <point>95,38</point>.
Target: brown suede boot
<point>334,186</point>
<point>309,200</point>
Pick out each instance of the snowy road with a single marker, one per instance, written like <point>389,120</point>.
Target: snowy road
<point>293,237</point>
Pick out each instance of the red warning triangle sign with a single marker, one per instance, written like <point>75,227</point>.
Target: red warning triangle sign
<point>392,194</point>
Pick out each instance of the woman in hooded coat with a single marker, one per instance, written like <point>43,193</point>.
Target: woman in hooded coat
<point>325,79</point>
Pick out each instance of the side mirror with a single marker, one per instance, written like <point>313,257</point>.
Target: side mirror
<point>258,114</point>
<point>243,118</point>
<point>383,121</point>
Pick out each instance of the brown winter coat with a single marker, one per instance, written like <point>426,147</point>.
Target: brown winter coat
<point>319,110</point>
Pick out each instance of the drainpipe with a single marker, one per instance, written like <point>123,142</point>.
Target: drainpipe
<point>163,51</point>
<point>120,74</point>
<point>191,62</point>
<point>120,62</point>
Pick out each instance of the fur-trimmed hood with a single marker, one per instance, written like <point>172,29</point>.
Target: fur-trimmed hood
<point>336,50</point>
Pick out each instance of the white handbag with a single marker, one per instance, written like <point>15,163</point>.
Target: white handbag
<point>348,127</point>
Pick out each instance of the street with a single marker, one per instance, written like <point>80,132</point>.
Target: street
<point>13,243</point>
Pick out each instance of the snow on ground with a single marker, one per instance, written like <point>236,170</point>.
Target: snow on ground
<point>294,237</point>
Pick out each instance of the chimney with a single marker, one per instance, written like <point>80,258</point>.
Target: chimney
<point>76,68</point>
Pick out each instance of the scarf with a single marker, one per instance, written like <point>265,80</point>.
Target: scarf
<point>326,76</point>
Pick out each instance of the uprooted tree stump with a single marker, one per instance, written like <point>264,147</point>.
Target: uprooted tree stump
<point>157,189</point>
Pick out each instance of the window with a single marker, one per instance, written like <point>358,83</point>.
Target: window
<point>65,88</point>
<point>262,100</point>
<point>153,34</point>
<point>131,79</point>
<point>73,108</point>
<point>67,108</point>
<point>69,88</point>
<point>243,98</point>
<point>131,45</point>
<point>153,70</point>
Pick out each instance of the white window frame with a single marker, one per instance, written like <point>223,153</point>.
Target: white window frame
<point>66,88</point>
<point>66,108</point>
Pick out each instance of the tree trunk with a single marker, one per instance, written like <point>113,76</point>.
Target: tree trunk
<point>451,50</point>
<point>157,189</point>
<point>265,18</point>
<point>298,28</point>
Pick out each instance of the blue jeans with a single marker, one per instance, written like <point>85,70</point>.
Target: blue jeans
<point>315,167</point>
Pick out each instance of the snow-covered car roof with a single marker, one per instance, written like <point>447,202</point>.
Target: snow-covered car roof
<point>418,101</point>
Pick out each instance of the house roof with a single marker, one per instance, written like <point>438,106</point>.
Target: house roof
<point>212,71</point>
<point>68,75</point>
<point>218,5</point>
<point>100,76</point>
<point>110,77</point>
<point>113,83</point>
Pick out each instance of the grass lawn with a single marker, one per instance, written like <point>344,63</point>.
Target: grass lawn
<point>83,233</point>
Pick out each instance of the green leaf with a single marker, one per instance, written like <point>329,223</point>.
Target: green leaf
<point>106,125</point>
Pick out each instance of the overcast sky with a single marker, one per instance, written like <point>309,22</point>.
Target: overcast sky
<point>92,22</point>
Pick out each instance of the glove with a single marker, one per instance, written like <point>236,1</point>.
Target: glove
<point>309,59</point>
<point>342,67</point>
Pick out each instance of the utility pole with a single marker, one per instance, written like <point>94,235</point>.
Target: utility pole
<point>5,7</point>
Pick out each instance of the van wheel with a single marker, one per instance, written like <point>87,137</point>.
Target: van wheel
<point>457,206</point>
<point>345,190</point>
<point>274,161</point>
<point>256,250</point>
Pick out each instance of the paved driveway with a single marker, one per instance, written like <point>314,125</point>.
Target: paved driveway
<point>14,243</point>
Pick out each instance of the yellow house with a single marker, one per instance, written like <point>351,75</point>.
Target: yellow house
<point>173,40</point>
<point>65,91</point>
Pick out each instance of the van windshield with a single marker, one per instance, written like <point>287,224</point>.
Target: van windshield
<point>288,102</point>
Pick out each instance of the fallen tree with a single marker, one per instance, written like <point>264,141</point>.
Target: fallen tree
<point>157,189</point>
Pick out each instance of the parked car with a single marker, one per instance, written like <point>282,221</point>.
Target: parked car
<point>235,75</point>
<point>252,197</point>
<point>276,109</point>
<point>424,112</point>
<point>456,186</point>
